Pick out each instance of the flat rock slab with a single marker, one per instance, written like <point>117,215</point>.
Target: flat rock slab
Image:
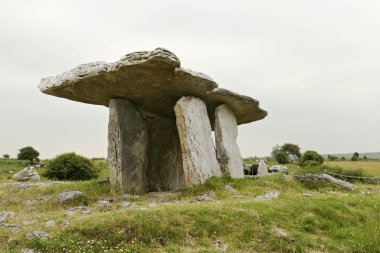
<point>153,81</point>
<point>66,197</point>
<point>268,196</point>
<point>324,178</point>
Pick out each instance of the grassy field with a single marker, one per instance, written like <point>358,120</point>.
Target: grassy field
<point>371,168</point>
<point>331,220</point>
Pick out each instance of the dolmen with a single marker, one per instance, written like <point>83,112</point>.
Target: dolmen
<point>161,118</point>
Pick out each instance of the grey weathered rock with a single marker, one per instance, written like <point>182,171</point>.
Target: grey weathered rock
<point>78,209</point>
<point>165,170</point>
<point>324,178</point>
<point>30,202</point>
<point>127,147</point>
<point>27,251</point>
<point>278,169</point>
<point>263,169</point>
<point>268,196</point>
<point>10,225</point>
<point>231,189</point>
<point>50,223</point>
<point>211,195</point>
<point>194,130</point>
<point>220,246</point>
<point>39,235</point>
<point>68,196</point>
<point>4,215</point>
<point>227,150</point>
<point>104,181</point>
<point>28,222</point>
<point>104,203</point>
<point>27,174</point>
<point>153,80</point>
<point>127,204</point>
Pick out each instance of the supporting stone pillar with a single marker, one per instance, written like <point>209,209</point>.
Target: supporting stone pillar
<point>127,147</point>
<point>227,150</point>
<point>194,130</point>
<point>165,170</point>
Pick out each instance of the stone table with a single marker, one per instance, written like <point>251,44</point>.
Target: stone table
<point>161,118</point>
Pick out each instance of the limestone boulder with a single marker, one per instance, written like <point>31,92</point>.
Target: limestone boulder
<point>153,81</point>
<point>198,151</point>
<point>262,169</point>
<point>27,174</point>
<point>68,196</point>
<point>227,150</point>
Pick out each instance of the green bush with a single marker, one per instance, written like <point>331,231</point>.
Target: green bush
<point>70,166</point>
<point>281,157</point>
<point>311,158</point>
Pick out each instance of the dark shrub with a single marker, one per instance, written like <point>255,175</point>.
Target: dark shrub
<point>311,158</point>
<point>70,166</point>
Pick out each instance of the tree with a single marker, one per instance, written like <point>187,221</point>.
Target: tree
<point>343,158</point>
<point>28,153</point>
<point>281,157</point>
<point>365,157</point>
<point>292,150</point>
<point>6,156</point>
<point>311,158</point>
<point>355,157</point>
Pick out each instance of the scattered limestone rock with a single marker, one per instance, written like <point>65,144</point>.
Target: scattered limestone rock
<point>30,202</point>
<point>28,222</point>
<point>209,196</point>
<point>38,235</point>
<point>231,189</point>
<point>65,223</point>
<point>43,198</point>
<point>78,209</point>
<point>219,245</point>
<point>325,178</point>
<point>127,204</point>
<point>27,251</point>
<point>10,225</point>
<point>104,181</point>
<point>278,169</point>
<point>262,169</point>
<point>268,196</point>
<point>309,195</point>
<point>27,174</point>
<point>4,215</point>
<point>104,203</point>
<point>280,232</point>
<point>50,224</point>
<point>68,196</point>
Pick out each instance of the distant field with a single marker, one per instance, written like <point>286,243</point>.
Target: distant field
<point>371,168</point>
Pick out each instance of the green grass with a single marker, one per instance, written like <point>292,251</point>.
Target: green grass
<point>334,220</point>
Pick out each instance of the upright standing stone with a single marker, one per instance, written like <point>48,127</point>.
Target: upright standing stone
<point>194,130</point>
<point>262,169</point>
<point>165,170</point>
<point>227,150</point>
<point>127,147</point>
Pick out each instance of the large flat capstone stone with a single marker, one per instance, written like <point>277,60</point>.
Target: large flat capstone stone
<point>127,147</point>
<point>153,81</point>
<point>198,151</point>
<point>227,150</point>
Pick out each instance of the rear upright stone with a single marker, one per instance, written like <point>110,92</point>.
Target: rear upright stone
<point>227,150</point>
<point>127,148</point>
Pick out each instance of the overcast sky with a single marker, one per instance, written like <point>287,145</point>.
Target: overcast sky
<point>313,65</point>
